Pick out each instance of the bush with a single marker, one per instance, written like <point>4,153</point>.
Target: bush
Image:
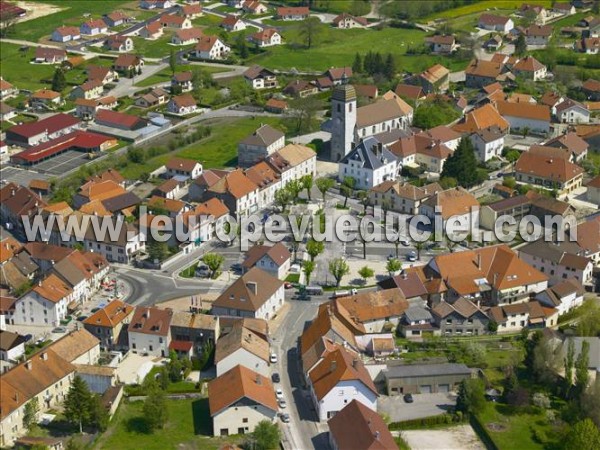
<point>426,422</point>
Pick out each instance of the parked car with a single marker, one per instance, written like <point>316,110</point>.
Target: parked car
<point>202,271</point>
<point>285,417</point>
<point>59,330</point>
<point>288,285</point>
<point>81,318</point>
<point>404,242</point>
<point>411,256</point>
<point>408,398</point>
<point>273,358</point>
<point>236,267</point>
<point>279,393</point>
<point>282,403</point>
<point>275,378</point>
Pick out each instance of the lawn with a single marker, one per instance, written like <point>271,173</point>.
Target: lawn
<point>164,75</point>
<point>482,6</point>
<point>189,426</point>
<point>73,15</point>
<point>569,21</point>
<point>468,22</point>
<point>15,67</point>
<point>333,50</point>
<point>157,48</point>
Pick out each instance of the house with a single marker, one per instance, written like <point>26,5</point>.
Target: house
<point>50,55</point>
<point>435,79</point>
<point>571,143</point>
<point>265,141</point>
<point>172,207</point>
<point>338,378</point>
<point>536,118</point>
<point>12,346</point>
<point>493,22</point>
<point>45,97</point>
<point>187,36</point>
<point>538,34</point>
<point>267,179</point>
<point>83,273</point>
<point>65,34</point>
<point>44,376</point>
<point>182,81</point>
<point>276,106</point>
<point>46,304</point>
<point>481,73</point>
<point>7,90</point>
<point>234,189</point>
<point>426,378</point>
<point>239,399</point>
<point>122,121</point>
<point>488,143</point>
<point>255,294</point>
<point>155,97</point>
<point>370,163</point>
<point>168,190</point>
<point>40,187</point>
<point>116,18</point>
<point>7,112</point>
<point>293,162</point>
<point>156,4</point>
<point>118,43</point>
<point>368,430</point>
<point>182,167</point>
<point>273,259</point>
<point>591,88</point>
<point>409,92</point>
<point>174,21</point>
<point>89,90</point>
<point>300,88</point>
<point>267,37</point>
<point>571,111</point>
<point>254,7</point>
<point>237,4</point>
<point>233,23</point>
<point>403,198</point>
<point>460,318</point>
<point>560,261</point>
<point>376,311</point>
<point>152,30</point>
<point>77,347</point>
<point>456,204</point>
<point>347,21</point>
<point>210,215</point>
<point>513,318</point>
<point>292,13</point>
<point>593,191</point>
<point>33,133</point>
<point>260,78</point>
<point>182,104</point>
<point>17,201</point>
<point>242,346</point>
<point>566,9</point>
<point>588,239</point>
<point>530,68</point>
<point>109,325</point>
<point>103,74</point>
<point>368,91</point>
<point>494,43</point>
<point>589,45</point>
<point>149,331</point>
<point>211,47</point>
<point>442,44</point>
<point>191,11</point>
<point>198,329</point>
<point>537,12</point>
<point>564,296</point>
<point>125,63</point>
<point>558,173</point>
<point>93,27</point>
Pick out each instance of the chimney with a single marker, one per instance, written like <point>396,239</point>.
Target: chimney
<point>377,435</point>
<point>258,379</point>
<point>44,356</point>
<point>333,365</point>
<point>253,286</point>
<point>355,363</point>
<point>12,192</point>
<point>479,260</point>
<point>28,364</point>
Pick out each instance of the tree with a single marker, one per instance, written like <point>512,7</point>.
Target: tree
<point>418,247</point>
<point>546,361</point>
<point>338,267</point>
<point>462,164</point>
<point>357,65</point>
<point>157,250</point>
<point>314,248</point>
<point>393,265</point>
<point>584,435</point>
<point>323,185</point>
<point>433,113</point>
<point>347,188</point>
<point>242,47</point>
<point>99,417</point>
<point>365,200</point>
<point>569,363</point>
<point>520,46</point>
<point>155,409</point>
<point>492,326</point>
<point>389,69</point>
<point>266,435</point>
<point>173,62</point>
<point>582,376</point>
<point>307,183</point>
<point>32,408</point>
<point>214,261</point>
<point>294,187</point>
<point>309,31</point>
<point>59,82</point>
<point>365,273</point>
<point>471,396</point>
<point>596,7</point>
<point>282,198</point>
<point>525,132</point>
<point>308,267</point>
<point>302,113</point>
<point>77,403</point>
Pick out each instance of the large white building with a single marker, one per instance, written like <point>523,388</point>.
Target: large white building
<point>45,305</point>
<point>149,331</point>
<point>242,346</point>
<point>369,163</point>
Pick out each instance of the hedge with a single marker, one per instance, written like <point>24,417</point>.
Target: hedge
<point>482,432</point>
<point>427,422</point>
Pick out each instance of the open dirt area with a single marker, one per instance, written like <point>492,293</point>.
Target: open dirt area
<point>461,437</point>
<point>35,10</point>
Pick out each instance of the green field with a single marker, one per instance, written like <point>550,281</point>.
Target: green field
<point>189,426</point>
<point>332,49</point>
<point>482,6</point>
<point>15,68</point>
<point>72,15</point>
<point>165,75</point>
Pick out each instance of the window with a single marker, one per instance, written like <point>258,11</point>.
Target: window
<point>245,420</point>
<point>151,348</point>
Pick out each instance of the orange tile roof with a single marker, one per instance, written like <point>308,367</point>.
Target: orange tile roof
<point>234,183</point>
<point>480,118</point>
<point>8,247</point>
<point>52,288</point>
<point>374,305</point>
<point>101,191</point>
<point>558,169</point>
<point>524,110</point>
<point>453,202</point>
<point>111,315</point>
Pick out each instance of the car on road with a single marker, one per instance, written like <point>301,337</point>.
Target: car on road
<point>411,256</point>
<point>408,398</point>
<point>59,330</point>
<point>81,318</point>
<point>404,242</point>
<point>285,417</point>
<point>94,310</point>
<point>275,378</point>
<point>28,337</point>
<point>236,267</point>
<point>279,393</point>
<point>273,358</point>
<point>202,271</point>
<point>282,403</point>
<point>288,285</point>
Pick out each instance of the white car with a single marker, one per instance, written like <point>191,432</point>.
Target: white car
<point>279,394</point>
<point>282,403</point>
<point>273,358</point>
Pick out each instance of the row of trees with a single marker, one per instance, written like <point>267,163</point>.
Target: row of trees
<point>375,63</point>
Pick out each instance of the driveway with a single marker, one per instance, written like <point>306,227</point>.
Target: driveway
<point>461,437</point>
<point>424,405</point>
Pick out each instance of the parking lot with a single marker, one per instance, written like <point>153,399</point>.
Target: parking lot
<point>63,163</point>
<point>20,176</point>
<point>424,405</point>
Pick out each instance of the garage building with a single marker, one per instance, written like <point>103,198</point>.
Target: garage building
<point>426,378</point>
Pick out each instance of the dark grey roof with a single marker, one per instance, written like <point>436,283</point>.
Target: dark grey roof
<point>9,340</point>
<point>391,136</point>
<point>550,250</point>
<point>372,153</point>
<point>120,202</point>
<point>69,272</point>
<point>490,134</point>
<point>264,136</point>
<point>426,370</point>
<point>417,313</point>
<point>25,263</point>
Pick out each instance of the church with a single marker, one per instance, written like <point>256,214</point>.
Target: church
<point>350,125</point>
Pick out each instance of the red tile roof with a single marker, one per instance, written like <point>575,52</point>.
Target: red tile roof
<point>50,124</point>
